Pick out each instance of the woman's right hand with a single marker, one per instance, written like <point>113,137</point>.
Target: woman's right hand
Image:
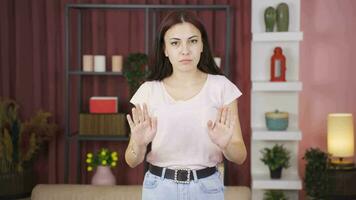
<point>143,127</point>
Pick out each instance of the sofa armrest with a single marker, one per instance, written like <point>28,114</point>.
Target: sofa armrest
<point>117,192</point>
<point>237,192</point>
<point>86,192</point>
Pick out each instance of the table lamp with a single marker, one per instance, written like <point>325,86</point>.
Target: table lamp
<point>341,139</point>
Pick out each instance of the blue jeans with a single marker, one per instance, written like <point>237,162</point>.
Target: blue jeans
<point>159,188</point>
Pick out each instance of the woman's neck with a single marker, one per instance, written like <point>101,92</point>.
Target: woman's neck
<point>186,78</point>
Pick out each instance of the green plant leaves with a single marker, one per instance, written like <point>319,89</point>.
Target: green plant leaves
<point>316,179</point>
<point>274,195</point>
<point>275,157</point>
<point>135,70</point>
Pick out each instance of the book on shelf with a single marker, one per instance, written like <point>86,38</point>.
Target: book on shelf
<point>102,124</point>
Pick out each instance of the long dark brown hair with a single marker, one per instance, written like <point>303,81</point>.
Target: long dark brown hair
<point>160,64</point>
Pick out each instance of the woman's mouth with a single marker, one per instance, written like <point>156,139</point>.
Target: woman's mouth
<point>185,61</point>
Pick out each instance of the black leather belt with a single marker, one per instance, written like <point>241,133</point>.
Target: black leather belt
<point>182,175</point>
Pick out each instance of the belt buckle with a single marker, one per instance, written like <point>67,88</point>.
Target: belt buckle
<point>178,172</point>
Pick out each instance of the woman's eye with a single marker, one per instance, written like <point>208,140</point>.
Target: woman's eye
<point>174,43</point>
<point>194,41</point>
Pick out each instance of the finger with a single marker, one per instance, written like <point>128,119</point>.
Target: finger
<point>129,120</point>
<point>228,119</point>
<point>211,135</point>
<point>218,116</point>
<point>227,115</point>
<point>145,112</point>
<point>148,119</point>
<point>223,116</point>
<point>139,113</point>
<point>154,123</point>
<point>135,116</point>
<point>143,117</point>
<point>233,121</point>
<point>210,125</point>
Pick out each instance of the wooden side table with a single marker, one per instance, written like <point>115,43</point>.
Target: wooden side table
<point>342,184</point>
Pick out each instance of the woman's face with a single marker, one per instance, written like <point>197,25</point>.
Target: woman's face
<point>183,46</point>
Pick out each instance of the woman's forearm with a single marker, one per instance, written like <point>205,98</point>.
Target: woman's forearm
<point>236,151</point>
<point>135,154</point>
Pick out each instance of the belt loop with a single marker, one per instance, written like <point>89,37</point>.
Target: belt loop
<point>163,173</point>
<point>194,172</point>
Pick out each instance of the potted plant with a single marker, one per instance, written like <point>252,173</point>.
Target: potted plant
<point>19,144</point>
<point>102,160</point>
<point>276,158</point>
<point>316,178</point>
<point>274,195</point>
<point>135,70</point>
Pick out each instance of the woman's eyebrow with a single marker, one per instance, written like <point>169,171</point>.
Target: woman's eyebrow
<point>180,39</point>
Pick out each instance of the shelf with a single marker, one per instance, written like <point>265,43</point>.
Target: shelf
<point>287,182</point>
<point>143,6</point>
<point>77,72</point>
<point>267,96</point>
<point>277,37</point>
<point>264,134</point>
<point>101,138</point>
<point>72,47</point>
<point>276,86</point>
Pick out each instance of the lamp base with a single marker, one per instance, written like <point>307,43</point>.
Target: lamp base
<point>342,163</point>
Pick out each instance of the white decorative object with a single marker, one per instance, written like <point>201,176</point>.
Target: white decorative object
<point>88,64</point>
<point>266,96</point>
<point>217,61</point>
<point>99,63</point>
<point>116,64</point>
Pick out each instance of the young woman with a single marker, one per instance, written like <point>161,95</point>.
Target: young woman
<point>188,110</point>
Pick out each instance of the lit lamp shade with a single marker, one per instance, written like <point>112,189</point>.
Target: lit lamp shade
<point>340,135</point>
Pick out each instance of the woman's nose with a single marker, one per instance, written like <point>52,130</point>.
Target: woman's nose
<point>185,49</point>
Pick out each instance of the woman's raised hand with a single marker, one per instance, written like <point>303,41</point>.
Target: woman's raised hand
<point>221,130</point>
<point>143,127</point>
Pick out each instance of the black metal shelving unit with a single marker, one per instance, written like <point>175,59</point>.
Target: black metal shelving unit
<point>150,16</point>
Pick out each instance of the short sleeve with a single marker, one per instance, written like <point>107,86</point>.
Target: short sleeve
<point>230,92</point>
<point>142,94</point>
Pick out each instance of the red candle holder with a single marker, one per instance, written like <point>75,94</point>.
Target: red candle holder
<point>278,65</point>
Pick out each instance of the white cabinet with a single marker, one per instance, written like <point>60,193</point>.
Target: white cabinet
<point>267,96</point>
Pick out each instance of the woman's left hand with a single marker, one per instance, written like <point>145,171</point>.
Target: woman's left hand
<point>221,130</point>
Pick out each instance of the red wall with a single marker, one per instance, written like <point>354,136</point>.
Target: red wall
<point>327,68</point>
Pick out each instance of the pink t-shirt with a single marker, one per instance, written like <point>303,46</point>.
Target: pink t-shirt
<point>182,139</point>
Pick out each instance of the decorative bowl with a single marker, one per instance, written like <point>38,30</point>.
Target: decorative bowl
<point>277,121</point>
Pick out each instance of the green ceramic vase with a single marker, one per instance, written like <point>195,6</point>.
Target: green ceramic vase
<point>270,18</point>
<point>282,17</point>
